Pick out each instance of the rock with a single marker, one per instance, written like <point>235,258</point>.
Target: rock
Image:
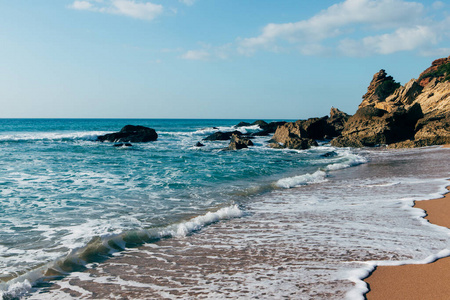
<point>238,142</point>
<point>316,128</point>
<point>433,130</point>
<point>242,124</point>
<point>294,142</point>
<point>379,89</point>
<point>222,136</point>
<point>131,134</point>
<point>299,143</point>
<point>313,128</point>
<point>336,123</point>
<point>199,145</point>
<point>371,126</point>
<point>260,123</point>
<point>329,154</point>
<point>292,135</point>
<point>268,128</point>
<point>404,95</point>
<point>289,130</point>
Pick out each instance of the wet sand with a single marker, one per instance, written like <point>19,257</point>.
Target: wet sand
<point>429,281</point>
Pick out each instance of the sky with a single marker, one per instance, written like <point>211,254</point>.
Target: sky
<point>230,59</point>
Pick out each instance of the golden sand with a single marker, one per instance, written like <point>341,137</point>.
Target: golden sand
<point>421,282</point>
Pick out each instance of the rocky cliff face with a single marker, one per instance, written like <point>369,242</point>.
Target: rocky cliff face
<point>416,114</point>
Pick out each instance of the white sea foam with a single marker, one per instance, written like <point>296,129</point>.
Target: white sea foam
<point>197,223</point>
<point>290,182</point>
<point>346,159</point>
<point>51,136</point>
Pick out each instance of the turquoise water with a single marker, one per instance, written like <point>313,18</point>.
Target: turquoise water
<point>68,201</point>
<point>60,189</point>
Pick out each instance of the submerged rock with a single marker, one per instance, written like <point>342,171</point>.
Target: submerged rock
<point>131,134</point>
<point>199,145</point>
<point>222,136</point>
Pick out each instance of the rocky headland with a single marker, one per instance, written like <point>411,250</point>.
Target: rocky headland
<point>414,115</point>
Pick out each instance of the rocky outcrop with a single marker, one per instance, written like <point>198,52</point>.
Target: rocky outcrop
<point>336,123</point>
<point>131,134</point>
<point>379,89</point>
<point>238,142</point>
<point>413,115</point>
<point>371,126</point>
<point>221,136</point>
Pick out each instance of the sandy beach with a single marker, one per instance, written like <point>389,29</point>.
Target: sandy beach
<point>429,281</point>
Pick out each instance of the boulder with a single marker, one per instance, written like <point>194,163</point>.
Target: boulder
<point>260,123</point>
<point>199,144</point>
<point>131,134</point>
<point>238,142</point>
<point>222,136</point>
<point>294,142</point>
<point>242,124</point>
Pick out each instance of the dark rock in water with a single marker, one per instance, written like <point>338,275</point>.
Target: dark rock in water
<point>239,142</point>
<point>260,123</point>
<point>329,154</point>
<point>268,128</point>
<point>242,124</point>
<point>123,144</point>
<point>294,142</point>
<point>131,134</point>
<point>199,144</point>
<point>316,128</point>
<point>222,136</point>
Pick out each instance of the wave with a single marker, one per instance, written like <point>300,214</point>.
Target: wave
<point>344,159</point>
<point>102,247</point>
<point>51,136</point>
<point>290,182</point>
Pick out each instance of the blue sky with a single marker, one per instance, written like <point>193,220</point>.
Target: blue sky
<point>254,59</point>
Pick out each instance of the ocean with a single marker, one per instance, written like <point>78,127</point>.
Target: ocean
<point>81,219</point>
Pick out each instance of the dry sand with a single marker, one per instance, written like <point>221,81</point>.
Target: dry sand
<point>430,281</point>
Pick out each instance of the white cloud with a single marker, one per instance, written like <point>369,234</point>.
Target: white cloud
<point>356,28</point>
<point>196,55</point>
<point>403,39</point>
<point>81,5</point>
<point>438,5</point>
<point>129,8</point>
<point>188,2</point>
<point>334,21</point>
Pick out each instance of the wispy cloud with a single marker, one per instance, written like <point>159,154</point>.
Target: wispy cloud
<point>351,28</point>
<point>188,2</point>
<point>338,20</point>
<point>129,8</point>
<point>196,55</point>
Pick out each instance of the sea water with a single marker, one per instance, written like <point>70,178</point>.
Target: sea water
<point>70,205</point>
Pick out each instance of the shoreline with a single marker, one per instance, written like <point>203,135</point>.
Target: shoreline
<point>416,281</point>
